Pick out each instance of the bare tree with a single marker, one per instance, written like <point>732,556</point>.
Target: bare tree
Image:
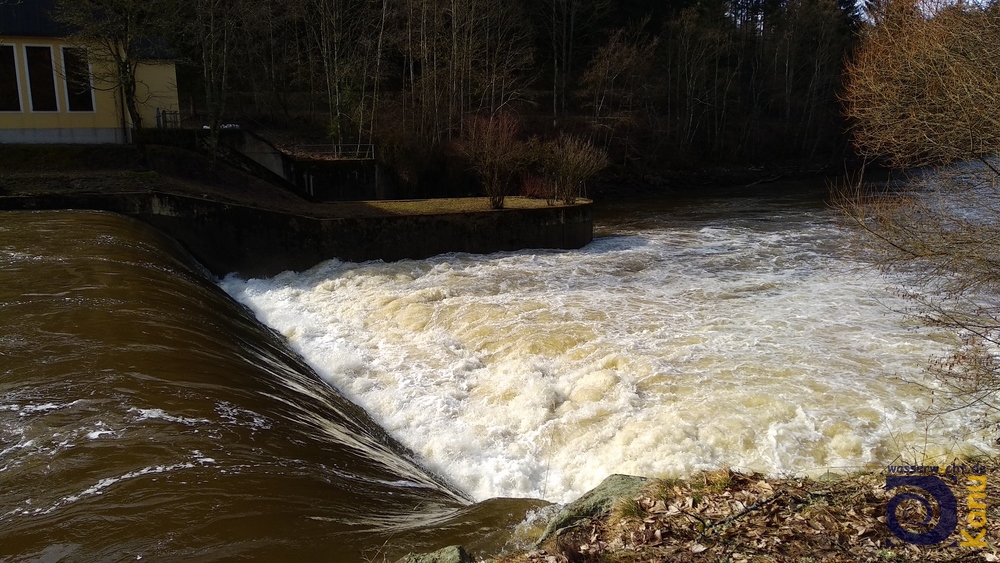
<point>618,84</point>
<point>565,24</point>
<point>331,28</point>
<point>934,242</point>
<point>921,91</point>
<point>211,28</point>
<point>923,88</point>
<point>492,146</point>
<point>500,65</point>
<point>620,69</point>
<point>269,61</point>
<point>120,33</point>
<point>473,56</point>
<point>569,162</point>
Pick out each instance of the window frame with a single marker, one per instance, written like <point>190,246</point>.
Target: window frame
<point>55,77</point>
<point>17,78</point>
<point>90,79</point>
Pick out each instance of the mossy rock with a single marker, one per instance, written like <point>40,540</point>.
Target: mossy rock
<point>595,502</point>
<point>451,554</point>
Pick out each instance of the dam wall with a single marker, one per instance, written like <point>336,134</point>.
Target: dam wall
<point>257,242</point>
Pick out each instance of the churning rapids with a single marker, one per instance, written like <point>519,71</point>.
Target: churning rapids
<point>144,413</point>
<point>736,332</point>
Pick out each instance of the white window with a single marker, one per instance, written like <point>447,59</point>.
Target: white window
<point>79,89</point>
<point>10,91</point>
<point>41,79</point>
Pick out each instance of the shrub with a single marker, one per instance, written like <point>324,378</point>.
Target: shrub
<point>496,154</point>
<point>570,161</point>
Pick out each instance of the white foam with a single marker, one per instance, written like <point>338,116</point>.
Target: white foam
<point>231,414</point>
<point>32,409</point>
<point>661,352</point>
<point>153,414</point>
<point>98,488</point>
<point>202,458</point>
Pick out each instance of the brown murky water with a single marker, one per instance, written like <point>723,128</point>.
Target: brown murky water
<point>145,415</point>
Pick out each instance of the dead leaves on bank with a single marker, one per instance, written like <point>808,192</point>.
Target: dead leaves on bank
<point>726,516</point>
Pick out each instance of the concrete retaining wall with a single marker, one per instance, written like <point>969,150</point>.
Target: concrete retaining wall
<point>260,243</point>
<point>322,180</point>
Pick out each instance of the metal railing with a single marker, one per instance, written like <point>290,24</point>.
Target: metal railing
<point>167,119</point>
<point>354,152</point>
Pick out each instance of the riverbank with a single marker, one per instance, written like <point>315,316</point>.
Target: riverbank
<point>735,517</point>
<point>233,222</point>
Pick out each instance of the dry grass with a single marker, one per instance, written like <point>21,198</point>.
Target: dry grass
<point>724,516</point>
<point>448,205</point>
<point>34,171</point>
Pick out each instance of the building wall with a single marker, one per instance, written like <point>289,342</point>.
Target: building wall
<point>155,88</point>
<point>104,124</point>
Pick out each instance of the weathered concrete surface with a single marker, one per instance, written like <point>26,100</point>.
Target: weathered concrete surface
<point>255,242</point>
<point>322,180</point>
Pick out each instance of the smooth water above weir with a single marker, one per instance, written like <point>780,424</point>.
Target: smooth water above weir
<point>741,332</point>
<point>144,414</point>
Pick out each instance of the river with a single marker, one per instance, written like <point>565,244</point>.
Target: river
<point>144,413</point>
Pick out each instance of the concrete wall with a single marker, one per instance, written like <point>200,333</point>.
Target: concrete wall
<point>259,243</point>
<point>260,151</point>
<point>321,180</point>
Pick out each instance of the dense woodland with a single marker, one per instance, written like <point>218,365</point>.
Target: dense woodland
<point>656,83</point>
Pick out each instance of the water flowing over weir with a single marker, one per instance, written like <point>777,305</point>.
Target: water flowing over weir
<point>143,413</point>
<point>733,332</point>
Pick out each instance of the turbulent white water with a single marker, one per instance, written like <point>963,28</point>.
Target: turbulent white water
<point>681,340</point>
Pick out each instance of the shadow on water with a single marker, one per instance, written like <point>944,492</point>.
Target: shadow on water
<point>753,203</point>
<point>144,413</point>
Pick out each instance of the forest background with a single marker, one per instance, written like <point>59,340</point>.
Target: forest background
<point>658,85</point>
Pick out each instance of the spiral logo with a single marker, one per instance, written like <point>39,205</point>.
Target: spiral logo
<point>933,488</point>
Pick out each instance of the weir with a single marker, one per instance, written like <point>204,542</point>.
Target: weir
<point>730,332</point>
<point>257,242</point>
<point>145,415</point>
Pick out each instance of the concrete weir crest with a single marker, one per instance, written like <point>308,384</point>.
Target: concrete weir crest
<point>259,242</point>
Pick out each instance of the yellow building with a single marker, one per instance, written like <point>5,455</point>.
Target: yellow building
<point>51,92</point>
